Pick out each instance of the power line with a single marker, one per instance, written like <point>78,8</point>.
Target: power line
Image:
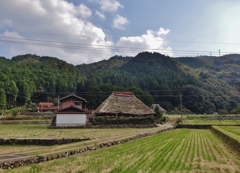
<point>117,38</point>
<point>203,42</point>
<point>84,46</point>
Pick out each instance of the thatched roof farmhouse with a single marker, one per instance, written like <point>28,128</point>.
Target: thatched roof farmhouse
<point>123,104</point>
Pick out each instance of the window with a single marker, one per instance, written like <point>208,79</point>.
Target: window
<point>78,103</point>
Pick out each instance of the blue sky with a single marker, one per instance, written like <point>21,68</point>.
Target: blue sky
<point>85,31</point>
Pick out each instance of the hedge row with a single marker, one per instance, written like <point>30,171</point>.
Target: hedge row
<point>44,142</point>
<point>38,159</point>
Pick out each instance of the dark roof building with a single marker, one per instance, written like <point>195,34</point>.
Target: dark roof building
<point>73,111</point>
<point>125,104</point>
<point>73,100</point>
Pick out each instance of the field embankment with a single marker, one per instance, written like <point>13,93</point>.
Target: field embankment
<point>42,142</point>
<point>230,134</point>
<point>26,119</point>
<point>209,119</point>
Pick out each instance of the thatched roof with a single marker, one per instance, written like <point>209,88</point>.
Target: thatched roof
<point>159,107</point>
<point>123,103</point>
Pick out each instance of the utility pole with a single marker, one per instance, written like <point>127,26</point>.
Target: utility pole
<point>219,52</point>
<point>58,101</point>
<point>181,107</point>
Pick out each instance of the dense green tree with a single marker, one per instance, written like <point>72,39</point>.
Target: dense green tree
<point>3,102</point>
<point>11,92</point>
<point>197,100</point>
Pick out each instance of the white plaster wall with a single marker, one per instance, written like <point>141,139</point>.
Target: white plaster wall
<point>70,119</point>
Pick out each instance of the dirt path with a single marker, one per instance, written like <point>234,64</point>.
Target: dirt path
<point>11,156</point>
<point>68,147</point>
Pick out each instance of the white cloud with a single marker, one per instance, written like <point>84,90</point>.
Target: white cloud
<point>109,5</point>
<point>57,21</point>
<point>99,14</point>
<point>152,41</point>
<point>119,22</point>
<point>60,29</point>
<point>162,31</point>
<point>83,11</point>
<point>12,35</point>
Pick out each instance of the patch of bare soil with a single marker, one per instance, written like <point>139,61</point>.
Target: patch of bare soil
<point>220,167</point>
<point>11,156</point>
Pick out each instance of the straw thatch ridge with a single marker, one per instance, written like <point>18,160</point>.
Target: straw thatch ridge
<point>123,103</point>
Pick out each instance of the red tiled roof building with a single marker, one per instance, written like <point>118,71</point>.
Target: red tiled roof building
<point>46,107</point>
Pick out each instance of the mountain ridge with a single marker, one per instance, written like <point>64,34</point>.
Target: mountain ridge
<point>155,78</point>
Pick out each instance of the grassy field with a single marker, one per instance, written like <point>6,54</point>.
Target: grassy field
<point>202,119</point>
<point>212,122</point>
<point>41,131</point>
<point>232,131</point>
<point>181,150</point>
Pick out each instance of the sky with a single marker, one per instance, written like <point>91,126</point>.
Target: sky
<point>86,31</point>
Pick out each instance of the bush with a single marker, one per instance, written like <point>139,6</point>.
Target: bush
<point>7,112</point>
<point>175,111</point>
<point>233,111</point>
<point>164,119</point>
<point>222,111</point>
<point>159,114</point>
<point>100,120</point>
<point>15,112</point>
<point>178,121</point>
<point>236,110</point>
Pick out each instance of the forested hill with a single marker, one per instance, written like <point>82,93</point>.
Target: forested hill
<point>207,84</point>
<point>5,62</point>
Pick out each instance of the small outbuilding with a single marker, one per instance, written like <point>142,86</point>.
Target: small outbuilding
<point>73,111</point>
<point>154,106</point>
<point>121,103</point>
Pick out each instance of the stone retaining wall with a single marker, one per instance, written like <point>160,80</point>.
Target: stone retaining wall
<point>25,122</point>
<point>38,159</point>
<point>44,142</point>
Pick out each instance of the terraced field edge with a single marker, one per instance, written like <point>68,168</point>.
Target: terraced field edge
<point>231,141</point>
